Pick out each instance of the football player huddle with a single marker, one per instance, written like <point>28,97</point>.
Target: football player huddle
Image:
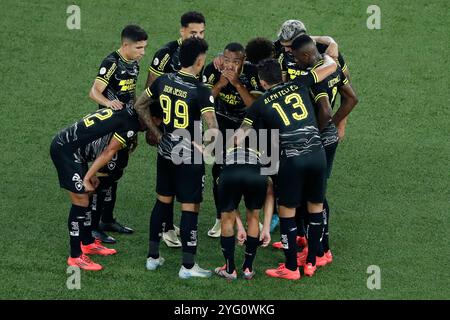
<point>271,136</point>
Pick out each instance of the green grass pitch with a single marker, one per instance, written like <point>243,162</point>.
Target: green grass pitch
<point>389,192</point>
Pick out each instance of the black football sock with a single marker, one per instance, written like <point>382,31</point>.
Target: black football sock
<point>188,233</point>
<point>288,231</point>
<point>75,224</point>
<point>216,169</point>
<point>168,219</point>
<point>216,200</point>
<point>300,221</point>
<point>227,245</point>
<point>109,203</point>
<point>96,203</point>
<point>325,239</point>
<point>315,231</point>
<point>155,228</point>
<point>251,246</point>
<point>86,231</point>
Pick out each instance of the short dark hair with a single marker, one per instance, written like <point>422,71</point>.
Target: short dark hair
<point>258,49</point>
<point>269,70</point>
<point>134,33</point>
<point>301,41</point>
<point>192,17</point>
<point>235,47</point>
<point>190,49</point>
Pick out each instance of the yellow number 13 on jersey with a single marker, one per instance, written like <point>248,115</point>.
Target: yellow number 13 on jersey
<point>296,101</point>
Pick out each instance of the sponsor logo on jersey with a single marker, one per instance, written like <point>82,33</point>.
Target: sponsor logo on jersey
<point>127,85</point>
<point>254,83</point>
<point>334,81</point>
<point>230,99</point>
<point>211,79</point>
<point>111,71</point>
<point>164,62</point>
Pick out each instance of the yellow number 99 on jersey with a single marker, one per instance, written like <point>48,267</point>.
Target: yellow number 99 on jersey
<point>181,118</point>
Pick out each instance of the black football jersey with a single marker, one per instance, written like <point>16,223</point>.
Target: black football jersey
<point>166,59</point>
<point>120,76</point>
<point>329,88</point>
<point>288,108</point>
<point>229,103</point>
<point>291,69</point>
<point>100,127</point>
<point>183,99</point>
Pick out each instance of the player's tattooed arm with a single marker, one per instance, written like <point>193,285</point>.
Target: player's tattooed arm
<point>150,79</point>
<point>142,108</point>
<point>211,121</point>
<point>241,133</point>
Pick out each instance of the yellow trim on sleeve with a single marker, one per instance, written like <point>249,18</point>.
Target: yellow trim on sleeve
<point>148,92</point>
<point>102,80</point>
<point>247,121</point>
<point>344,67</point>
<point>345,81</point>
<point>314,75</point>
<point>120,139</point>
<point>158,73</point>
<point>207,109</point>
<point>320,95</point>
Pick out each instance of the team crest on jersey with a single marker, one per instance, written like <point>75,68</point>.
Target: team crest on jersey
<point>102,71</point>
<point>211,98</point>
<point>156,61</point>
<point>130,134</point>
<point>254,83</point>
<point>204,79</point>
<point>78,182</point>
<point>303,73</point>
<point>111,165</point>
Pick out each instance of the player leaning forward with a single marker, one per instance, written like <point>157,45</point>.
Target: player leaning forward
<point>71,150</point>
<point>180,167</point>
<point>287,107</point>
